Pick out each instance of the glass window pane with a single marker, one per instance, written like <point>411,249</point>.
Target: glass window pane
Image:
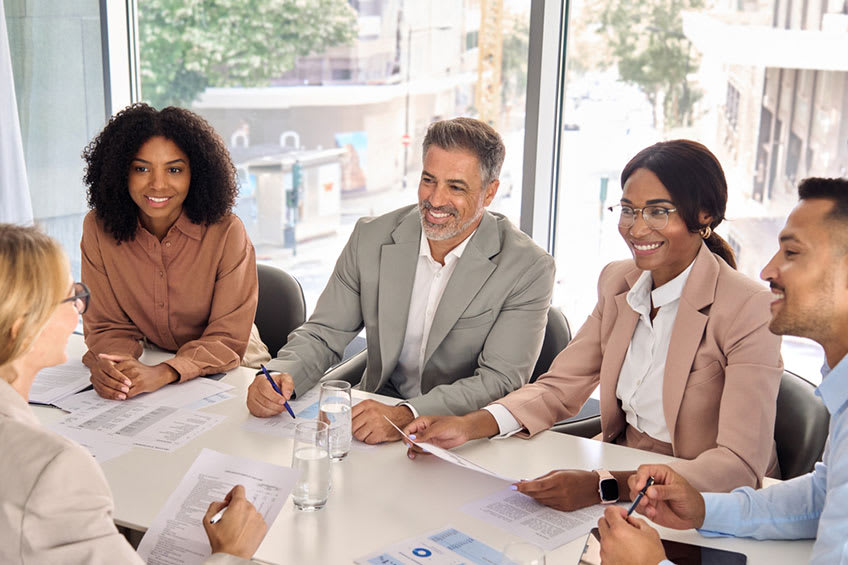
<point>324,109</point>
<point>57,62</point>
<point>729,75</point>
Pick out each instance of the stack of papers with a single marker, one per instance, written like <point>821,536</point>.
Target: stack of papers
<point>164,420</point>
<point>55,383</point>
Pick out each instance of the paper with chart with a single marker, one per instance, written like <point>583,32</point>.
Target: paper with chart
<point>176,536</point>
<point>305,408</point>
<point>451,457</point>
<point>521,515</point>
<point>55,383</point>
<point>145,425</point>
<point>446,546</point>
<point>183,395</point>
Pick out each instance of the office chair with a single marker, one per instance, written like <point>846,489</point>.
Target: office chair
<point>281,306</point>
<point>800,427</point>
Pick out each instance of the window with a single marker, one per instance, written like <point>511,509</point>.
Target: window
<point>57,63</point>
<point>695,72</point>
<point>341,107</point>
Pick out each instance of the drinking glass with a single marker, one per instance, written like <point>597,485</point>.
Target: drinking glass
<point>522,553</point>
<point>311,457</point>
<point>334,410</point>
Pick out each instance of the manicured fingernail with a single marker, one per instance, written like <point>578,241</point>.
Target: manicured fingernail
<point>513,487</point>
<point>122,397</point>
<point>410,455</point>
<point>412,436</point>
<point>409,445</point>
<point>125,389</point>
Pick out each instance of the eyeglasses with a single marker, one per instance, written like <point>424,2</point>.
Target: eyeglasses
<point>656,217</point>
<point>80,297</point>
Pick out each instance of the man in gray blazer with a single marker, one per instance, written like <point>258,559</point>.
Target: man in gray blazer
<point>453,320</point>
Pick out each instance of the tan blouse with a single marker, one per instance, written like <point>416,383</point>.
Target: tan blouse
<point>195,293</point>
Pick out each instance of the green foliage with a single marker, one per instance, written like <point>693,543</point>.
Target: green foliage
<point>187,45</point>
<point>646,41</point>
<point>516,42</point>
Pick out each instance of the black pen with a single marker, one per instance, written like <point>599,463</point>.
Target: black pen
<point>639,496</point>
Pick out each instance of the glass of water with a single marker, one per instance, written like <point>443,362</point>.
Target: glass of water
<point>310,456</point>
<point>523,553</point>
<point>334,410</point>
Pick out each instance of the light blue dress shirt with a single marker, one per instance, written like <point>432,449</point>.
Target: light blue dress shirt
<point>814,505</point>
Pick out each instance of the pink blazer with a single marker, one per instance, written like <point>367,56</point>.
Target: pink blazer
<point>721,378</point>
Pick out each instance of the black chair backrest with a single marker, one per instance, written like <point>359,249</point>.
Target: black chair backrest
<point>800,427</point>
<point>557,336</point>
<point>281,306</point>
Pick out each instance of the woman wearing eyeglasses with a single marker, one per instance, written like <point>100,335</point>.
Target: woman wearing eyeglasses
<point>168,262</point>
<point>678,342</point>
<point>55,505</point>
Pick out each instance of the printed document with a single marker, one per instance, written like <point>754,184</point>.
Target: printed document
<point>55,383</point>
<point>521,515</point>
<point>447,546</point>
<point>177,537</point>
<point>452,457</point>
<point>101,446</point>
<point>184,395</point>
<point>305,408</point>
<point>145,425</point>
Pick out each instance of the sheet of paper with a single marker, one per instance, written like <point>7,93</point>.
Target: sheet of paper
<point>155,427</point>
<point>451,457</point>
<point>101,446</point>
<point>446,546</point>
<point>176,536</point>
<point>305,408</point>
<point>54,383</point>
<point>521,515</point>
<point>183,395</point>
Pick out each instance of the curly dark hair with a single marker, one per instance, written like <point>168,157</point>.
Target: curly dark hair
<point>214,182</point>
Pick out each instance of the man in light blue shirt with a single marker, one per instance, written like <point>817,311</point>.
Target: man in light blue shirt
<point>809,278</point>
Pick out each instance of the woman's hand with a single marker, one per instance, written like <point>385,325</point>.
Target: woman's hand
<point>564,490</point>
<point>241,528</point>
<point>143,378</point>
<point>108,381</point>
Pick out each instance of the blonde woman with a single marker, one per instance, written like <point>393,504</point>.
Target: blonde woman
<point>55,505</point>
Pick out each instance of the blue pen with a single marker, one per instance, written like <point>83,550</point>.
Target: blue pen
<point>276,388</point>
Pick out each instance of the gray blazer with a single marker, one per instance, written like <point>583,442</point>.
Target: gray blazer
<point>55,505</point>
<point>486,333</point>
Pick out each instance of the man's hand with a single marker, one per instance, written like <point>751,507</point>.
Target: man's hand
<point>263,401</point>
<point>241,528</point>
<point>628,540</point>
<point>450,431</point>
<point>564,490</point>
<point>671,501</point>
<point>370,426</point>
<point>143,378</point>
<point>108,381</point>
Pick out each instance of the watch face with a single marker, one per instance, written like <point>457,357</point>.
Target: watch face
<point>609,490</point>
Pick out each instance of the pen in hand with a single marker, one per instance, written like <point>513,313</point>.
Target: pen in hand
<point>218,515</point>
<point>276,389</point>
<point>639,496</point>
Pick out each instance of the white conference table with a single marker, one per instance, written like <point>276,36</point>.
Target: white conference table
<point>379,496</point>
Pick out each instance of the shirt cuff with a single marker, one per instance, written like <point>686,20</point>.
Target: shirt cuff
<point>411,408</point>
<point>507,424</point>
<point>721,512</point>
<point>184,367</point>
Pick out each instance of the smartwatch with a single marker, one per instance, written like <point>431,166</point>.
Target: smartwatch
<point>607,487</point>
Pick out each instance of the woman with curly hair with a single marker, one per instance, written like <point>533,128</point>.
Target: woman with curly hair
<point>167,261</point>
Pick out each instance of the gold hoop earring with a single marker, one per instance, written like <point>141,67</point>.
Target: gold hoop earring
<point>705,232</point>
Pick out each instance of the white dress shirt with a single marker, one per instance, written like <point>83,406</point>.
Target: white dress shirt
<point>431,278</point>
<point>640,382</point>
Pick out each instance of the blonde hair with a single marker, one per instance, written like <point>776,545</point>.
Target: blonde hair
<point>33,281</point>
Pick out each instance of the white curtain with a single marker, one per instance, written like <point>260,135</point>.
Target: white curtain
<point>15,204</point>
